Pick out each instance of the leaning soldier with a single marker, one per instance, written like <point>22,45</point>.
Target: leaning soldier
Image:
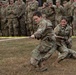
<point>47,45</point>
<point>63,37</point>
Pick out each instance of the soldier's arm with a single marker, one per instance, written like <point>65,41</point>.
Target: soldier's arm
<point>40,30</point>
<point>56,30</point>
<point>51,11</point>
<point>63,11</point>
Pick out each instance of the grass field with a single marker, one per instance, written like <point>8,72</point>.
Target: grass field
<point>15,55</point>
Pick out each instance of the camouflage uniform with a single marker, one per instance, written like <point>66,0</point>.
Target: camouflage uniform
<point>74,16</point>
<point>47,45</point>
<point>68,7</point>
<point>51,12</point>
<point>26,18</point>
<point>68,10</point>
<point>21,17</point>
<point>64,45</point>
<point>59,10</point>
<point>44,9</point>
<point>3,19</point>
<point>12,24</point>
<point>30,8</point>
<point>0,14</point>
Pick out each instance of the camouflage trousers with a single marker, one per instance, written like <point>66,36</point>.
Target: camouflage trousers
<point>13,27</point>
<point>44,50</point>
<point>64,52</point>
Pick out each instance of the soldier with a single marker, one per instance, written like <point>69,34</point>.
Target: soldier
<point>11,15</point>
<point>63,36</point>
<point>26,16</point>
<point>59,11</point>
<point>3,18</point>
<point>32,6</point>
<point>47,45</point>
<point>64,3</point>
<point>43,9</point>
<point>21,17</point>
<point>68,7</point>
<point>74,15</point>
<point>51,12</point>
<point>0,16</point>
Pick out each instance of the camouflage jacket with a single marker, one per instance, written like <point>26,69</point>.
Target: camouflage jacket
<point>64,32</point>
<point>44,30</point>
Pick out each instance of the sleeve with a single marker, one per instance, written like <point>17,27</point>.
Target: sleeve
<point>40,30</point>
<point>56,30</point>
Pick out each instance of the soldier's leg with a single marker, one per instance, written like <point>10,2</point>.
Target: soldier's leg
<point>28,30</point>
<point>2,28</point>
<point>46,57</point>
<point>35,57</point>
<point>62,55</point>
<point>22,26</point>
<point>15,27</point>
<point>10,26</point>
<point>73,53</point>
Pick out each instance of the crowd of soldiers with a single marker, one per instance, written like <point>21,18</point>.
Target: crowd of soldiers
<point>51,12</point>
<point>16,15</point>
<point>12,18</point>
